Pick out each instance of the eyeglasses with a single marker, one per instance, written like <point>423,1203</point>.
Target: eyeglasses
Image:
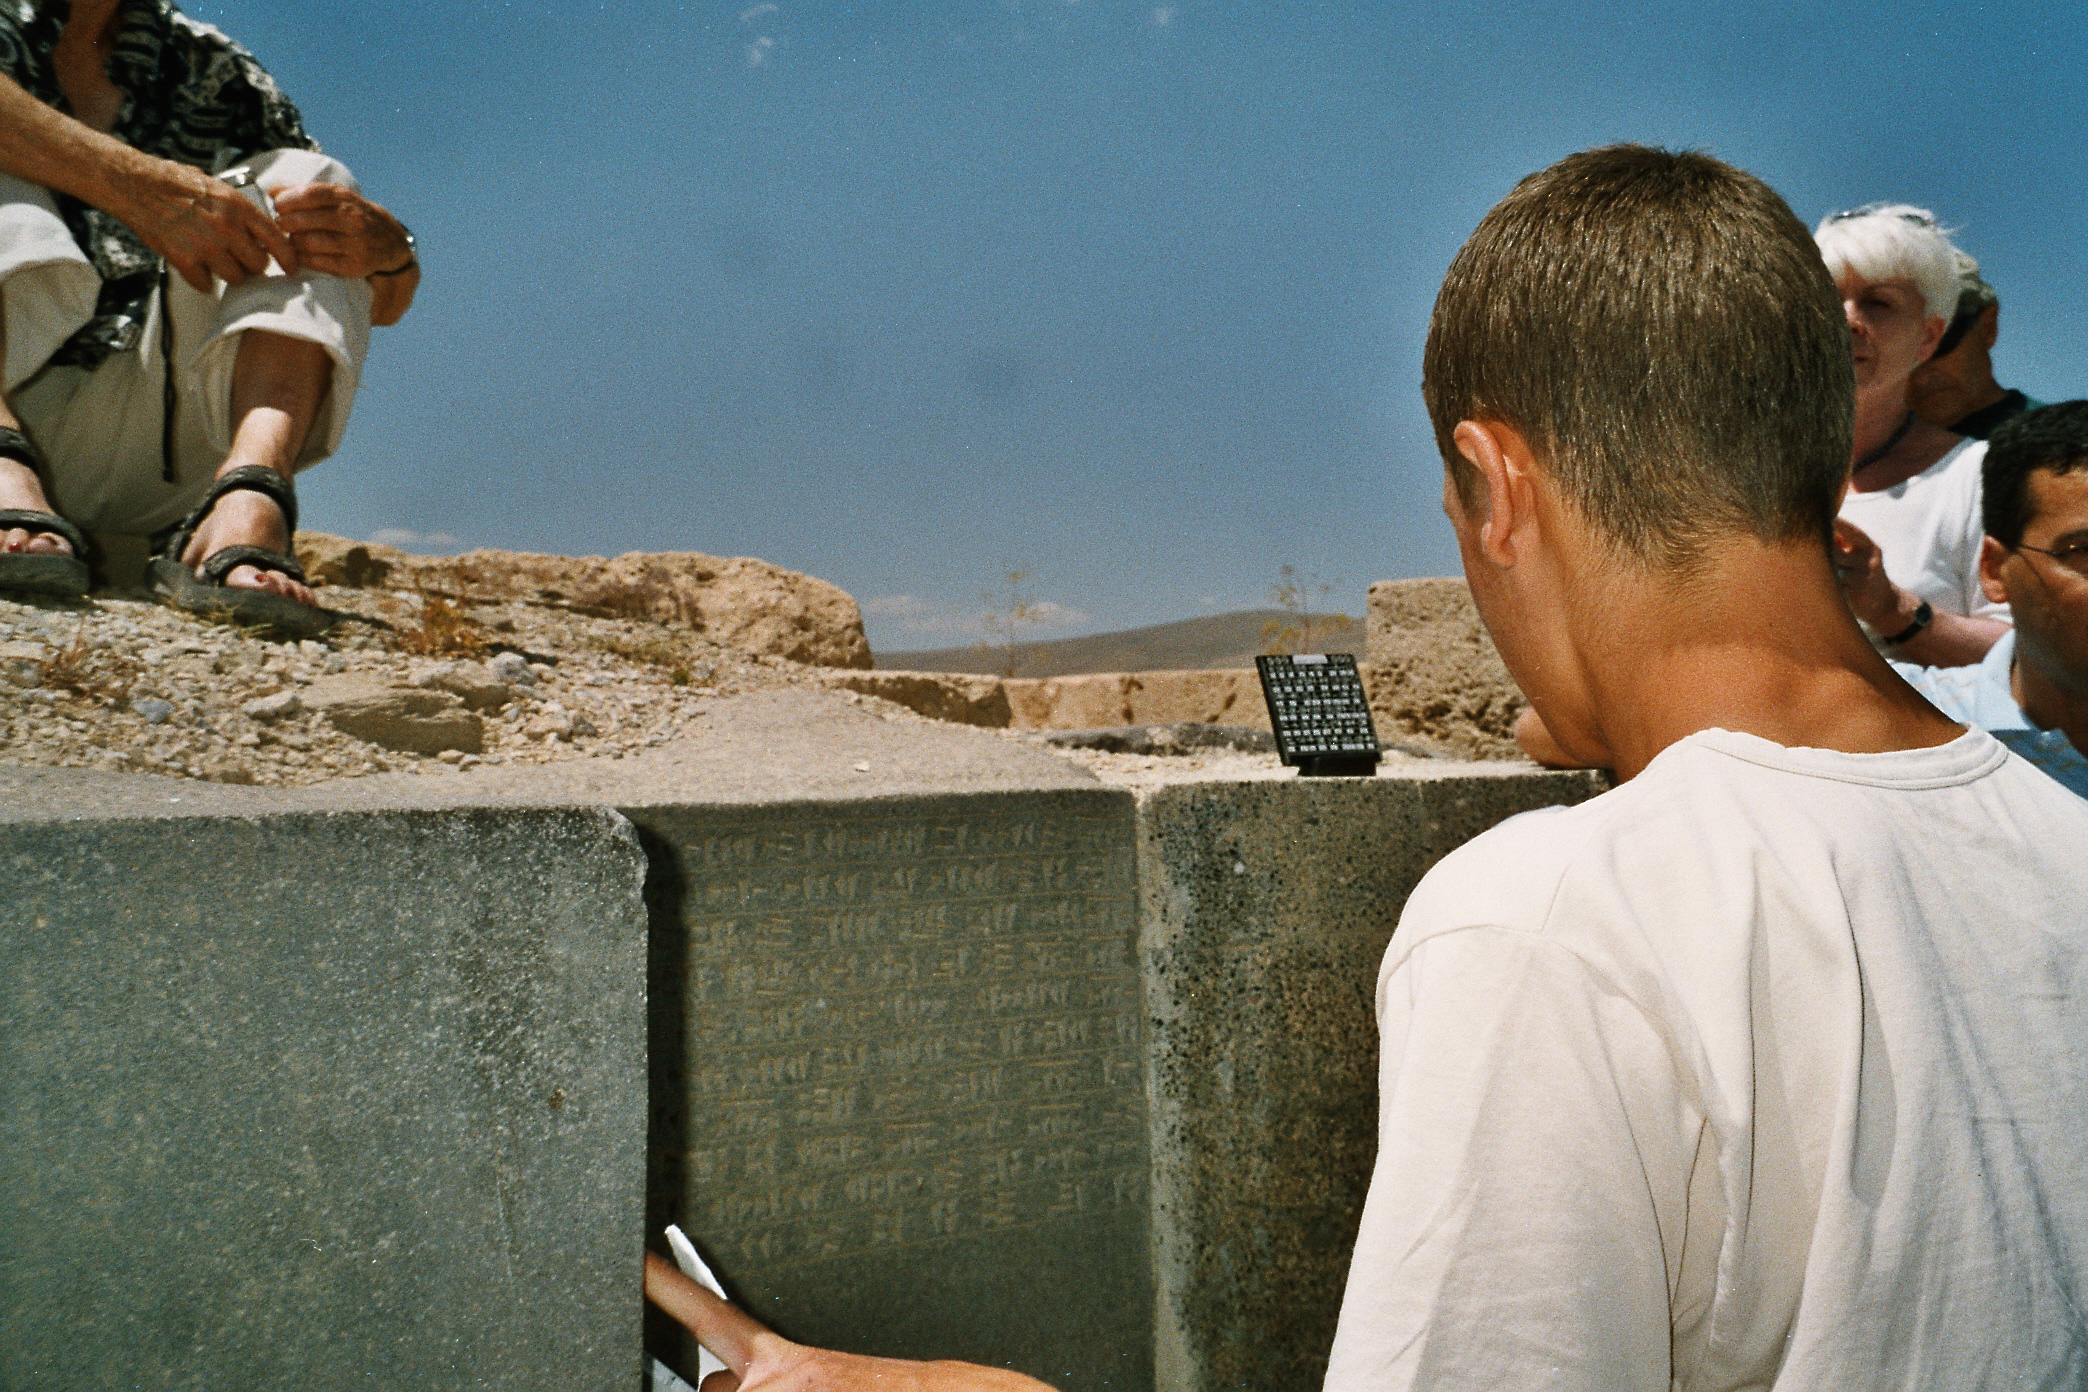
<point>1872,209</point>
<point>2074,557</point>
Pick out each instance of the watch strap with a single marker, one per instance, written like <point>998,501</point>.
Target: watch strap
<point>1924,615</point>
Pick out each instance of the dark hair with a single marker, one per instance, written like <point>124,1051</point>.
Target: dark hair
<point>1662,330</point>
<point>2051,437</point>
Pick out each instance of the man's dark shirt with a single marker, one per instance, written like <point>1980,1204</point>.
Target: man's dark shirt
<point>1982,423</point>
<point>192,95</point>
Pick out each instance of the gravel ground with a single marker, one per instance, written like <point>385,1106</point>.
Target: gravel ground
<point>124,683</point>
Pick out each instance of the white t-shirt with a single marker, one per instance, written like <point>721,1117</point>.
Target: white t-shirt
<point>1769,1067</point>
<point>1929,528</point>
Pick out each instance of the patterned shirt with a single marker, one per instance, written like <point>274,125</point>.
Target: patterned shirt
<point>191,95</point>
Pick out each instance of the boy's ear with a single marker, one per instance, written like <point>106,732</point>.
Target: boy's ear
<point>1992,556</point>
<point>1504,505</point>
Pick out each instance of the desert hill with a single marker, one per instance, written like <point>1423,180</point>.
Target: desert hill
<point>1200,644</point>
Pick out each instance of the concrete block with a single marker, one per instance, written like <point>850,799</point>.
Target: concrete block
<point>1433,674</point>
<point>897,1073</point>
<point>1265,910</point>
<point>296,1099</point>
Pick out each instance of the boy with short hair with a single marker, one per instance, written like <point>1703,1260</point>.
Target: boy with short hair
<point>1765,1068</point>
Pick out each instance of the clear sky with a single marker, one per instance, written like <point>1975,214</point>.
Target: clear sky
<point>1126,296</point>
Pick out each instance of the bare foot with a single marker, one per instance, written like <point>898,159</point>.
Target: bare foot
<point>19,488</point>
<point>246,518</point>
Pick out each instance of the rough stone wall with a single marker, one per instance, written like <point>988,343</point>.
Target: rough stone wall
<point>1103,699</point>
<point>1265,909</point>
<point>1434,676</point>
<point>736,600</point>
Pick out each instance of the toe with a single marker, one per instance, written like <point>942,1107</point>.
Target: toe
<point>26,543</point>
<point>248,577</point>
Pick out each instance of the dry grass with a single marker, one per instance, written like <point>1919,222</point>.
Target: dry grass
<point>88,671</point>
<point>442,629</point>
<point>661,650</point>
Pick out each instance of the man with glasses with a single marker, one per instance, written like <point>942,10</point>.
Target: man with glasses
<point>2031,690</point>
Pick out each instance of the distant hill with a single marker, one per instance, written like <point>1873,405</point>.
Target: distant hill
<point>1220,640</point>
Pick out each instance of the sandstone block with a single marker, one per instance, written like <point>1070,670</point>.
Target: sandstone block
<point>332,560</point>
<point>735,600</point>
<point>1097,700</point>
<point>960,698</point>
<point>408,719</point>
<point>1432,671</point>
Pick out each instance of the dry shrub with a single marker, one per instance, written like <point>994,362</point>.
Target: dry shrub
<point>659,650</point>
<point>654,649</point>
<point>442,629</point>
<point>85,670</point>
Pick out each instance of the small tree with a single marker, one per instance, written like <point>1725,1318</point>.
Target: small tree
<point>1293,594</point>
<point>1009,610</point>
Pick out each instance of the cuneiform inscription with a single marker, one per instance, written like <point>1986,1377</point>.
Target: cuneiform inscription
<point>908,1030</point>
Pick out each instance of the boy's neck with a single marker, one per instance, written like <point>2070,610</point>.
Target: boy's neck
<point>1665,658</point>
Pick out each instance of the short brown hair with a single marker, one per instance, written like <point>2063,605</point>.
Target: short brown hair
<point>1662,330</point>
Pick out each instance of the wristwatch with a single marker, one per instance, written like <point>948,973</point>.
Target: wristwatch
<point>1923,616</point>
<point>412,254</point>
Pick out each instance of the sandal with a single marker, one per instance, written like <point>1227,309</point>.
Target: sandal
<point>40,572</point>
<point>208,595</point>
<point>44,572</point>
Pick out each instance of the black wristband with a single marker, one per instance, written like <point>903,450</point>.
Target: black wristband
<point>1923,617</point>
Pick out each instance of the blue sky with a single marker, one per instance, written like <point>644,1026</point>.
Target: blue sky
<point>1126,296</point>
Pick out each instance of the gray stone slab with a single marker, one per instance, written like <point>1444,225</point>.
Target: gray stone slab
<point>320,1100</point>
<point>1266,907</point>
<point>898,1070</point>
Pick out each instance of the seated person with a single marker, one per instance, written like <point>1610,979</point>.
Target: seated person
<point>2031,690</point>
<point>121,255</point>
<point>759,1360</point>
<point>1913,486</point>
<point>1741,1074</point>
<point>1955,388</point>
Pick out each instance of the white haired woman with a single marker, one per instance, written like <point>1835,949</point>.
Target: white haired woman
<point>1908,541</point>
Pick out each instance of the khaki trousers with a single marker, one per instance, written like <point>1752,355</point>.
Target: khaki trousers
<point>100,432</point>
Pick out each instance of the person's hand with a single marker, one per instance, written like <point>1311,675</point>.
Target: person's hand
<point>1872,597</point>
<point>203,226</point>
<point>338,231</point>
<point>760,1361</point>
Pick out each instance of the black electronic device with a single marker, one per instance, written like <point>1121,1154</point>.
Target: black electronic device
<point>1320,713</point>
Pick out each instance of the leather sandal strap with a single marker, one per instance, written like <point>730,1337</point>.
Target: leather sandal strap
<point>29,520</point>
<point>255,478</point>
<point>16,446</point>
<point>218,564</point>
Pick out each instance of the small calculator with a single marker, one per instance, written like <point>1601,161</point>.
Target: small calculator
<point>1320,713</point>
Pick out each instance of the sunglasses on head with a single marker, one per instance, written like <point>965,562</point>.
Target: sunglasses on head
<point>1874,209</point>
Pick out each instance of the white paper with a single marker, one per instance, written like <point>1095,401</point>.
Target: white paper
<point>694,1267</point>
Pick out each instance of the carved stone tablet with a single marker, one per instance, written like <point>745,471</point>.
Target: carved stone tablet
<point>900,1101</point>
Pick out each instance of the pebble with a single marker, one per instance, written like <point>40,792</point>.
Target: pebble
<point>512,669</point>
<point>153,710</point>
<point>276,707</point>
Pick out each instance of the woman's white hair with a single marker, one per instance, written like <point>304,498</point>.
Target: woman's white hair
<point>1894,241</point>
